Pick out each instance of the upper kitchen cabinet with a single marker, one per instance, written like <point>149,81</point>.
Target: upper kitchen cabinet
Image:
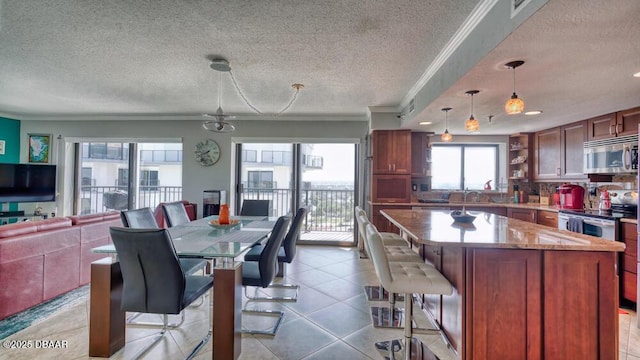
<point>627,121</point>
<point>420,154</point>
<point>521,156</point>
<point>572,141</point>
<point>392,152</point>
<point>547,154</point>
<point>621,123</point>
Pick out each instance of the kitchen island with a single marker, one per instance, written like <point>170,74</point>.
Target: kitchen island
<point>521,290</point>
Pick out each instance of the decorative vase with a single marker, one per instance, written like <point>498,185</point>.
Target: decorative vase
<point>223,218</point>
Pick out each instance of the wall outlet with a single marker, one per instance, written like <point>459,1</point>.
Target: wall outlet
<point>2,143</point>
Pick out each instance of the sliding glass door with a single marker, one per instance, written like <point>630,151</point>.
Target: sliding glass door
<point>121,176</point>
<point>321,177</point>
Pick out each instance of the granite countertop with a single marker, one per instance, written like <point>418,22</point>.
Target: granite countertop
<point>629,220</point>
<point>436,227</point>
<point>533,206</point>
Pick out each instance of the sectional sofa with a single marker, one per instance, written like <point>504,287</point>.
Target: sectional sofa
<point>40,260</point>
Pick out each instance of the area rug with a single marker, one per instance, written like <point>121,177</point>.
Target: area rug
<point>22,320</point>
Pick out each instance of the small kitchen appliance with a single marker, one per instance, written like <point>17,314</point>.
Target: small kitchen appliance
<point>571,196</point>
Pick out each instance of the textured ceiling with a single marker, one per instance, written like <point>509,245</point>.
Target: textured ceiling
<point>150,59</point>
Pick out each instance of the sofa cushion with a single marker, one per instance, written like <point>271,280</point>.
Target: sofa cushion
<point>53,223</point>
<point>16,229</point>
<point>85,219</point>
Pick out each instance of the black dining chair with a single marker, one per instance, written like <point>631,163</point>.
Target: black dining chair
<point>261,273</point>
<point>143,219</point>
<point>286,254</point>
<point>255,208</point>
<point>175,214</point>
<point>153,281</point>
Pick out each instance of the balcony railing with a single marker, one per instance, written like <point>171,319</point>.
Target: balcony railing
<point>100,198</point>
<point>329,210</point>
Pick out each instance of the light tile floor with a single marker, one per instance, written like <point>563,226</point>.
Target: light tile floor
<point>329,321</point>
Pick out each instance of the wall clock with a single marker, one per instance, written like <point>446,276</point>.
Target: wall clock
<point>207,152</point>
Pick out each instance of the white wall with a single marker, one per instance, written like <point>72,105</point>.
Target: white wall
<point>196,178</point>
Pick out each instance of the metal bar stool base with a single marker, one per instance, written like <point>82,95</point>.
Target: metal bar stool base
<point>395,350</point>
<point>384,317</point>
<point>378,293</point>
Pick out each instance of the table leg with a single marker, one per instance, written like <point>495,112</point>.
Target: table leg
<point>106,320</point>
<point>227,312</point>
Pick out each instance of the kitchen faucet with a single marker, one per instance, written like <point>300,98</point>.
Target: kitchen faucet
<point>467,193</point>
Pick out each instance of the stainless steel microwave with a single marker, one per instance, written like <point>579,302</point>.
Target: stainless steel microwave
<point>611,156</point>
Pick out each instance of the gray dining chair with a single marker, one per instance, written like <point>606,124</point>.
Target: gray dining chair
<point>153,280</point>
<point>175,214</point>
<point>261,273</point>
<point>255,208</point>
<point>286,254</point>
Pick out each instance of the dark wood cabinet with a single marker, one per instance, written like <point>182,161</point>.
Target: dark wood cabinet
<point>504,295</point>
<point>529,215</point>
<point>392,152</point>
<point>628,263</point>
<point>627,122</point>
<point>621,123</point>
<point>391,188</point>
<point>572,141</point>
<point>381,222</point>
<point>547,154</point>
<point>420,155</point>
<point>548,218</point>
<point>601,127</point>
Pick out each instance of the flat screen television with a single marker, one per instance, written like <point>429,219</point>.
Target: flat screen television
<point>27,183</point>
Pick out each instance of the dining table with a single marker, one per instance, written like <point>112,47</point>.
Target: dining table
<point>202,238</point>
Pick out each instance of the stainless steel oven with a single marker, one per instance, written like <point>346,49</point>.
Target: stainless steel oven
<point>611,156</point>
<point>599,227</point>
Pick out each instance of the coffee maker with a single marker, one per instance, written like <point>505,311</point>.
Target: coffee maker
<point>571,196</point>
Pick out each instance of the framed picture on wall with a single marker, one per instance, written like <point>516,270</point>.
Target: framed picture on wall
<point>39,148</point>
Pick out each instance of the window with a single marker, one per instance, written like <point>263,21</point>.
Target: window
<point>123,177</point>
<point>249,156</point>
<point>462,166</point>
<point>260,180</point>
<point>277,157</point>
<point>149,180</point>
<point>86,175</point>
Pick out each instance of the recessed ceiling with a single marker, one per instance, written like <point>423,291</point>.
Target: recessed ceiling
<point>150,59</point>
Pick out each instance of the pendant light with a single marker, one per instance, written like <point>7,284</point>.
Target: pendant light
<point>446,137</point>
<point>514,105</point>
<point>219,122</point>
<point>472,124</point>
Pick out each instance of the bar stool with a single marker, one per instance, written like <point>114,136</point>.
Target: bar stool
<point>407,278</point>
<point>378,293</point>
<point>389,316</point>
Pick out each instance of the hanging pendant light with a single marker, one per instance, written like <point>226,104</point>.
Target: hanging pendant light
<point>472,124</point>
<point>219,123</point>
<point>514,105</point>
<point>446,137</point>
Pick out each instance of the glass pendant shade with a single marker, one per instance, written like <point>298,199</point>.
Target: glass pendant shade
<point>446,137</point>
<point>515,105</point>
<point>472,124</point>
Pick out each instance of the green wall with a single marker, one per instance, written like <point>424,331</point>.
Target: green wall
<point>10,133</point>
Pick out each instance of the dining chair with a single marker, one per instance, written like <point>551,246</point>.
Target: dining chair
<point>175,214</point>
<point>261,273</point>
<point>255,208</point>
<point>153,281</point>
<point>286,254</point>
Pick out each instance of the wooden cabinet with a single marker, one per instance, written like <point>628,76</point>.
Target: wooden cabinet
<point>548,218</point>
<point>621,123</point>
<point>601,127</point>
<point>572,141</point>
<point>627,122</point>
<point>392,152</point>
<point>381,222</point>
<point>504,299</point>
<point>420,154</point>
<point>547,154</point>
<point>559,152</point>
<point>391,188</point>
<point>529,215</point>
<point>521,156</point>
<point>628,263</point>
